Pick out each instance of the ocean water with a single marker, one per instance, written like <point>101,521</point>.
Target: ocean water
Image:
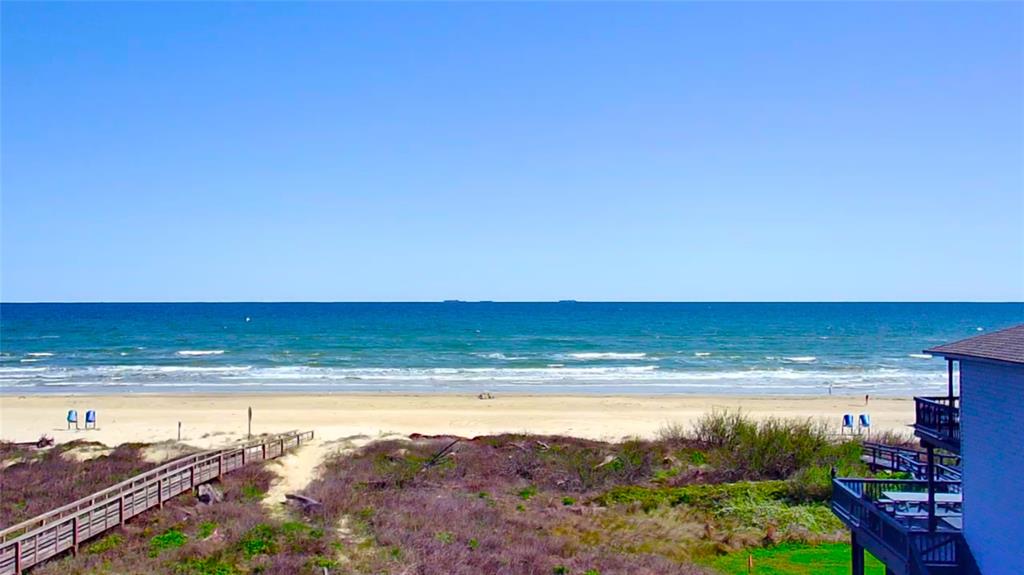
<point>568,347</point>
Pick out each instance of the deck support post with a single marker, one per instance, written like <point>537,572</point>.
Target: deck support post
<point>120,507</point>
<point>931,489</point>
<point>17,557</point>
<point>74,536</point>
<point>857,557</point>
<point>159,493</point>
<point>949,370</point>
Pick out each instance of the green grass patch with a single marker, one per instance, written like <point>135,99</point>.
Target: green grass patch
<point>205,566</point>
<point>707,496</point>
<point>106,544</point>
<point>170,539</point>
<point>206,528</point>
<point>795,559</point>
<point>527,493</point>
<point>260,540</point>
<point>251,493</point>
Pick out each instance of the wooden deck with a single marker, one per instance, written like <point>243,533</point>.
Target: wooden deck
<point>913,461</point>
<point>45,536</point>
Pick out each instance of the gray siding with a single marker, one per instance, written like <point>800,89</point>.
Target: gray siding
<point>992,418</point>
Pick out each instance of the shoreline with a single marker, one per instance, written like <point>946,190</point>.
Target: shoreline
<point>209,420</point>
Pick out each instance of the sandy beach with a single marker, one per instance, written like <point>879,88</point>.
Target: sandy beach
<point>212,420</point>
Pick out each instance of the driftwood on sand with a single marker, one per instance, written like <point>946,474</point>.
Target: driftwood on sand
<point>308,504</point>
<point>44,441</point>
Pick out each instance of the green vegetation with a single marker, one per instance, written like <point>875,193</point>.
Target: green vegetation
<point>170,539</point>
<point>204,566</point>
<point>206,528</point>
<point>260,540</point>
<point>707,496</point>
<point>252,493</point>
<point>794,559</point>
<point>106,544</point>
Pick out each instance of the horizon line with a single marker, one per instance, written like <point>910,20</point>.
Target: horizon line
<point>487,301</point>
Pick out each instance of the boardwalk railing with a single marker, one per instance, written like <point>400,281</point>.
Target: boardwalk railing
<point>40,538</point>
<point>912,461</point>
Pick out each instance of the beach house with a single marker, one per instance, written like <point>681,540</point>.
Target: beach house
<point>961,511</point>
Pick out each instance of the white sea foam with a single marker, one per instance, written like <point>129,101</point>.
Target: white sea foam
<point>29,360</point>
<point>20,370</point>
<point>622,378</point>
<point>801,359</point>
<point>191,352</point>
<point>702,353</point>
<point>39,354</point>
<point>591,355</point>
<point>921,355</point>
<point>498,355</point>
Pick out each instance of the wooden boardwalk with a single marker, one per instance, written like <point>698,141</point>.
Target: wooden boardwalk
<point>45,536</point>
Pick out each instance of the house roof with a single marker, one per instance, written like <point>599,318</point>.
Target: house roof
<point>1005,345</point>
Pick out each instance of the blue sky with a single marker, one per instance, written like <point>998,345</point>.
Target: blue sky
<point>278,151</point>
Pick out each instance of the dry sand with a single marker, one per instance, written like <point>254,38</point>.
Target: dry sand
<point>214,420</point>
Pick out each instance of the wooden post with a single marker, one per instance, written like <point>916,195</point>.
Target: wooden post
<point>931,489</point>
<point>179,431</point>
<point>160,493</point>
<point>17,557</point>
<point>949,379</point>
<point>857,558</point>
<point>120,507</point>
<point>220,466</point>
<point>250,422</point>
<point>74,535</point>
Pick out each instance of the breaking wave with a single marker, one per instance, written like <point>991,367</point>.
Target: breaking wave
<point>592,355</point>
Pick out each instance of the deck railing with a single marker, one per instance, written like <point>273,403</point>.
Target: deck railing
<point>938,420</point>
<point>899,541</point>
<point>31,542</point>
<point>912,461</point>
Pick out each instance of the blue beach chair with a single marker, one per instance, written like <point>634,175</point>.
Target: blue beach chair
<point>90,418</point>
<point>864,422</point>
<point>847,424</point>
<point>72,418</point>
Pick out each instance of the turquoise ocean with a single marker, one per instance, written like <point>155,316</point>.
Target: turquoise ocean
<point>565,347</point>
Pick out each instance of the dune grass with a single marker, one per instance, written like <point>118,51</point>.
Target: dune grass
<point>694,501</point>
<point>34,482</point>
